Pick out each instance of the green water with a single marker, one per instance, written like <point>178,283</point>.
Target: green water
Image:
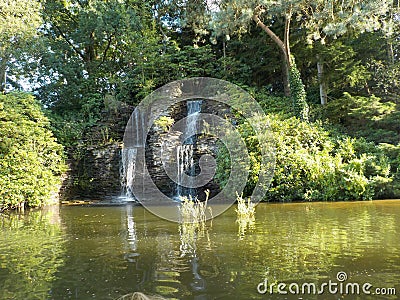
<point>105,252</point>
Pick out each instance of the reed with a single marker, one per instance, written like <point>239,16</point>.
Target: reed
<point>245,215</point>
<point>193,222</point>
<point>245,209</point>
<point>193,210</point>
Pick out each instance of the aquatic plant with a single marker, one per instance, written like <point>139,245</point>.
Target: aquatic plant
<point>193,210</point>
<point>245,212</point>
<point>193,222</point>
<point>245,209</point>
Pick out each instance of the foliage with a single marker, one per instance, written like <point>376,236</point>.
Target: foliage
<point>274,104</point>
<point>321,18</point>
<point>393,154</point>
<point>164,123</point>
<point>20,20</point>
<point>18,35</point>
<point>32,251</point>
<point>367,117</point>
<point>312,164</point>
<point>245,215</point>
<point>193,210</point>
<point>298,93</point>
<point>31,160</point>
<point>192,225</point>
<point>385,79</point>
<point>244,209</point>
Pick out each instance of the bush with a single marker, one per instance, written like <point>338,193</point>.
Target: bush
<point>273,104</point>
<point>31,161</point>
<point>368,117</point>
<point>312,164</point>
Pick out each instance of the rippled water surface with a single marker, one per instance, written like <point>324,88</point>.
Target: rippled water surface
<point>105,252</point>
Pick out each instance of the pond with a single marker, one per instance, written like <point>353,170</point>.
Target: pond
<point>75,252</point>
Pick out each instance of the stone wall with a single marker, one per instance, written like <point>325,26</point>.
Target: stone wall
<point>95,165</point>
<point>93,173</point>
<point>206,145</point>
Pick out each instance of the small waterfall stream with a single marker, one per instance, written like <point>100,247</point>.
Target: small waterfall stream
<point>129,155</point>
<point>184,153</point>
<point>128,171</point>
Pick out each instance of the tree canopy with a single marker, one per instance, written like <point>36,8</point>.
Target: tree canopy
<point>31,160</point>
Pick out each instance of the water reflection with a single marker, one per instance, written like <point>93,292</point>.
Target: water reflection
<point>32,250</point>
<point>106,252</point>
<point>245,224</point>
<point>189,233</point>
<point>131,237</point>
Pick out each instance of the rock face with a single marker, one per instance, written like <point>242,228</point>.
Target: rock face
<point>94,174</point>
<point>205,145</point>
<point>95,170</point>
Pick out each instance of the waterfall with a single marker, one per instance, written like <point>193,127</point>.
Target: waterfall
<point>136,140</point>
<point>184,159</point>
<point>193,110</point>
<point>128,171</point>
<point>133,161</point>
<point>184,153</point>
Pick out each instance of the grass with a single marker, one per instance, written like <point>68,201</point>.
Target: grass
<point>193,210</point>
<point>193,222</point>
<point>245,209</point>
<point>245,215</point>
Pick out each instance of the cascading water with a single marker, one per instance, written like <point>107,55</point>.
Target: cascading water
<point>129,156</point>
<point>133,159</point>
<point>185,164</point>
<point>128,171</point>
<point>184,159</point>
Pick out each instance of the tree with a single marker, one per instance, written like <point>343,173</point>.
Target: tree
<point>31,161</point>
<point>90,44</point>
<point>321,19</point>
<point>19,21</point>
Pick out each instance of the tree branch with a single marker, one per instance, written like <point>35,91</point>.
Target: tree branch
<point>76,50</point>
<point>271,34</point>
<point>105,51</point>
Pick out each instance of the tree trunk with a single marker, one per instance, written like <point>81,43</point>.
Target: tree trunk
<point>285,78</point>
<point>390,52</point>
<point>224,53</point>
<point>3,68</point>
<point>283,46</point>
<point>287,56</point>
<point>322,85</point>
<point>286,43</point>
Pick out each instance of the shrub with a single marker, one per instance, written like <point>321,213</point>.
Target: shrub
<point>367,117</point>
<point>164,123</point>
<point>31,161</point>
<point>312,164</point>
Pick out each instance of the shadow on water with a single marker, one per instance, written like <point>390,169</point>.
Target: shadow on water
<point>107,252</point>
